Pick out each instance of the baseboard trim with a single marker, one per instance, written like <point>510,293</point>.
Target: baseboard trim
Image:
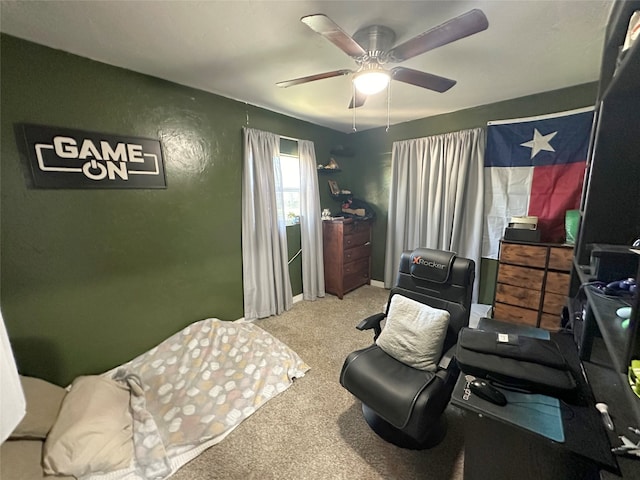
<point>300,297</point>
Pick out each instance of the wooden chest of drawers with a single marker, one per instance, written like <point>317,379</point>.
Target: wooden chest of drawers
<point>347,255</point>
<point>532,283</point>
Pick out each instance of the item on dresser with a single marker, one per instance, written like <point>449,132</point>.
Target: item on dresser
<point>532,283</point>
<point>524,223</point>
<point>571,222</point>
<point>358,209</point>
<point>347,254</point>
<point>523,229</point>
<point>521,235</point>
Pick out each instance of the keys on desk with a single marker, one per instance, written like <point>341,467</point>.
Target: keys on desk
<point>628,447</point>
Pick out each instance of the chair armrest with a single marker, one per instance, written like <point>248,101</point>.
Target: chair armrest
<point>447,367</point>
<point>447,357</point>
<point>372,322</point>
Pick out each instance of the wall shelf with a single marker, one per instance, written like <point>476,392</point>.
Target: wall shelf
<point>613,174</point>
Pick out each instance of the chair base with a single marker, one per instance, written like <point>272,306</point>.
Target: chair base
<point>391,434</point>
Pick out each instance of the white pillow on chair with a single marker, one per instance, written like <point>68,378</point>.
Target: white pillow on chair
<point>414,333</point>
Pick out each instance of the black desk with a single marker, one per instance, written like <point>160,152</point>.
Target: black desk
<point>500,446</point>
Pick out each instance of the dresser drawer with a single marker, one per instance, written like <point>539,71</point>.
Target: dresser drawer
<point>527,255</point>
<point>553,303</point>
<point>520,276</point>
<point>347,254</point>
<point>355,227</point>
<point>518,296</point>
<point>512,314</point>
<point>560,258</point>
<point>356,239</point>
<point>356,274</point>
<point>550,322</point>
<point>557,283</point>
<point>355,253</point>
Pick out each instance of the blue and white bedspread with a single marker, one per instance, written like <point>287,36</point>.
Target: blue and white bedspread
<point>194,388</point>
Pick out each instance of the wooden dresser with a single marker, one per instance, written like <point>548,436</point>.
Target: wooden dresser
<point>532,283</point>
<point>347,254</point>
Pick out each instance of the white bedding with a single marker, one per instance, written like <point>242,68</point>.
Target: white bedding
<point>193,389</point>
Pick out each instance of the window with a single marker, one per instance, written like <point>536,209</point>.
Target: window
<point>290,169</point>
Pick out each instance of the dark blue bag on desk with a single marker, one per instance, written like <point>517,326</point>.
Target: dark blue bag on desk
<point>516,361</point>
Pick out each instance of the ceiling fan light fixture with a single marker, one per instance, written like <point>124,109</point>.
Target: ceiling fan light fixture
<point>371,81</point>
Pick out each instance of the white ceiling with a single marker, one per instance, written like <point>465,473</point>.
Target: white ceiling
<point>240,49</point>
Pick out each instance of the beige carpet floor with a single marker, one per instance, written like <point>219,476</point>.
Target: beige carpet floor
<point>315,430</point>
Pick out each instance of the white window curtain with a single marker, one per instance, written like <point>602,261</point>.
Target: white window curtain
<point>12,402</point>
<point>436,198</point>
<point>266,283</point>
<point>310,224</point>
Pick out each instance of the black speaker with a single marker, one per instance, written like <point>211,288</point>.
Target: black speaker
<point>613,262</point>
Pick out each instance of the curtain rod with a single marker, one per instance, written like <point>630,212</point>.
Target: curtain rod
<point>289,138</point>
<point>282,136</point>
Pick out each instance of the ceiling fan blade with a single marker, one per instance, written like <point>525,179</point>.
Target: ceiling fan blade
<point>358,99</point>
<point>473,21</point>
<point>326,27</point>
<point>312,78</point>
<point>422,79</point>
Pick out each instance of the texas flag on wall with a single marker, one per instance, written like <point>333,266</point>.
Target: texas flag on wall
<point>534,166</point>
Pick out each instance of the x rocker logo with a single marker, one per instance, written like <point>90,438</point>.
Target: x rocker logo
<point>428,263</point>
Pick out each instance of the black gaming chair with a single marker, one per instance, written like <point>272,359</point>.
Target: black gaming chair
<point>401,404</point>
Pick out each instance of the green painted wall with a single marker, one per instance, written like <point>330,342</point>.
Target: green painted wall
<point>91,278</point>
<point>368,173</point>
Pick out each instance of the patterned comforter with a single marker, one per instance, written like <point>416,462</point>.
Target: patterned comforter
<point>194,388</point>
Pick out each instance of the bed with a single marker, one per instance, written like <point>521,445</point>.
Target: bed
<point>146,418</point>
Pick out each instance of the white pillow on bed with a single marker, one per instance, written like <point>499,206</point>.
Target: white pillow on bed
<point>93,431</point>
<point>414,333</point>
<point>43,404</point>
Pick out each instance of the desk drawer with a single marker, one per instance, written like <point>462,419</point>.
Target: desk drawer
<point>520,276</point>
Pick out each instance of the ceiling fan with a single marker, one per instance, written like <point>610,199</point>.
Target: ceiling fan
<point>371,48</point>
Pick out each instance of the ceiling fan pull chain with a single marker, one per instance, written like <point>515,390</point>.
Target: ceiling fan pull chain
<point>388,105</point>
<point>353,95</point>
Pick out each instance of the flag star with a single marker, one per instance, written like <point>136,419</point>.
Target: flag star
<point>539,142</point>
